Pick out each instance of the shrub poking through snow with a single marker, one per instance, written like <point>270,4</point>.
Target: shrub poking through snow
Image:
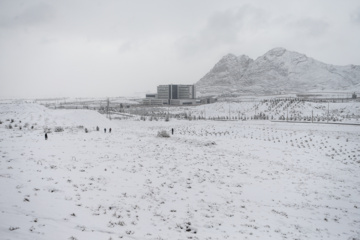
<point>58,129</point>
<point>47,130</point>
<point>163,133</point>
<point>86,130</point>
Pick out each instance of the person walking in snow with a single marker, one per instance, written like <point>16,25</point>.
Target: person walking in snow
<point>45,136</point>
<point>172,131</point>
<point>110,130</point>
<point>104,130</point>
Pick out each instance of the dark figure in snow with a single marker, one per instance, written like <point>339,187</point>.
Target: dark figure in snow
<point>45,136</point>
<point>97,128</point>
<point>104,130</point>
<point>110,130</point>
<point>172,131</point>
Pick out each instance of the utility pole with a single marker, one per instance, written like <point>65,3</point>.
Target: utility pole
<point>312,116</point>
<point>287,113</point>
<point>255,112</point>
<point>204,112</point>
<point>328,113</point>
<point>229,111</point>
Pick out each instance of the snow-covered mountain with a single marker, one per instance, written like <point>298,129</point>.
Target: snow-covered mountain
<point>278,70</point>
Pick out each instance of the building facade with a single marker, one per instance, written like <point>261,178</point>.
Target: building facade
<point>176,91</point>
<point>174,94</point>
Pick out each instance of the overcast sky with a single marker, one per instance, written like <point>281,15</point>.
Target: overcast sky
<point>108,48</point>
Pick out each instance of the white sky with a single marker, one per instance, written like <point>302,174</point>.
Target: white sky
<point>108,48</point>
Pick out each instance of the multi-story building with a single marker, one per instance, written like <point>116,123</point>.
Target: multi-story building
<point>174,94</point>
<point>186,92</point>
<point>163,92</point>
<point>176,91</point>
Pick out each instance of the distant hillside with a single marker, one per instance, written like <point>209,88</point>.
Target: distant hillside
<point>277,71</point>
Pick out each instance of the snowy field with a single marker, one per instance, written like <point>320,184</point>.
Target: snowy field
<point>210,180</point>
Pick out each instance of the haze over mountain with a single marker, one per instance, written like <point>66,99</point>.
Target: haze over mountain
<point>277,71</point>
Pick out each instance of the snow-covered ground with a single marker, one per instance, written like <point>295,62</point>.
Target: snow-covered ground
<point>91,103</point>
<point>347,112</point>
<point>210,180</point>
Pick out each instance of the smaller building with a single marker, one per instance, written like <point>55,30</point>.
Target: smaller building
<point>154,101</point>
<point>208,100</point>
<point>183,101</point>
<point>151,95</point>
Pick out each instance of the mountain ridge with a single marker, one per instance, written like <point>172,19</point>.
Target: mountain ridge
<point>278,70</point>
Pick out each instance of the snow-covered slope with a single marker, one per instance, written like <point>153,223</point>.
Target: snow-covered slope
<point>277,71</point>
<point>210,180</point>
<point>38,116</point>
<point>226,73</point>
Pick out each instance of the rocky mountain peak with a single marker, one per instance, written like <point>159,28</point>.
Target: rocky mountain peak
<point>276,52</point>
<point>277,70</point>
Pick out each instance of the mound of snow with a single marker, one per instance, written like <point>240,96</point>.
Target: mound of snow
<point>35,114</point>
